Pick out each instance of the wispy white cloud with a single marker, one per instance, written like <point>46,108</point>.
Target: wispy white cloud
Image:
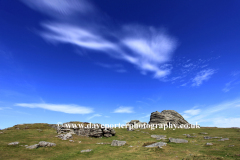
<point>188,65</point>
<point>215,114</point>
<point>58,8</point>
<point>183,85</point>
<point>124,110</point>
<point>147,116</point>
<point>233,83</point>
<point>147,48</point>
<point>3,108</point>
<point>116,67</point>
<point>191,112</point>
<point>226,122</point>
<point>189,72</point>
<point>142,102</point>
<point>202,76</point>
<point>65,108</point>
<point>95,115</point>
<point>19,112</point>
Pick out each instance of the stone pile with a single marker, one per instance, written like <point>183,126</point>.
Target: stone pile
<point>89,132</point>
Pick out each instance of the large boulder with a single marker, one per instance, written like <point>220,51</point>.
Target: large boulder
<point>167,116</point>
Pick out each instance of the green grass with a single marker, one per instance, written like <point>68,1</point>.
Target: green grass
<point>194,150</point>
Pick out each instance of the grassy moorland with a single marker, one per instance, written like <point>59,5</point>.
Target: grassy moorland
<point>195,149</point>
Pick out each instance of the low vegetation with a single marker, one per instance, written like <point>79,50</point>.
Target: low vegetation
<point>195,149</point>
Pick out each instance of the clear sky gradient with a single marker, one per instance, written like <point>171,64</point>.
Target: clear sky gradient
<point>114,61</point>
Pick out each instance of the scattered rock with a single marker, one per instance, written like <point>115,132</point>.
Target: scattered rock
<point>207,137</point>
<point>167,116</point>
<point>159,137</point>
<point>203,133</point>
<point>230,145</point>
<point>103,143</point>
<point>224,139</point>
<point>46,144</point>
<point>118,143</point>
<point>107,135</point>
<point>41,144</point>
<point>209,144</point>
<point>132,129</point>
<point>158,144</point>
<point>71,140</point>
<point>216,137</point>
<point>79,141</point>
<point>89,132</point>
<point>189,136</point>
<point>65,136</point>
<point>176,140</point>
<point>13,143</point>
<point>87,150</point>
<point>137,124</point>
<point>35,146</point>
<point>1,132</point>
<point>130,146</point>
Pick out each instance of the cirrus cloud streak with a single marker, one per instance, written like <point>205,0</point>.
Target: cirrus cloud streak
<point>147,48</point>
<point>65,108</point>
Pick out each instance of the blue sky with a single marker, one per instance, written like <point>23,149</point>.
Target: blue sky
<point>115,61</point>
